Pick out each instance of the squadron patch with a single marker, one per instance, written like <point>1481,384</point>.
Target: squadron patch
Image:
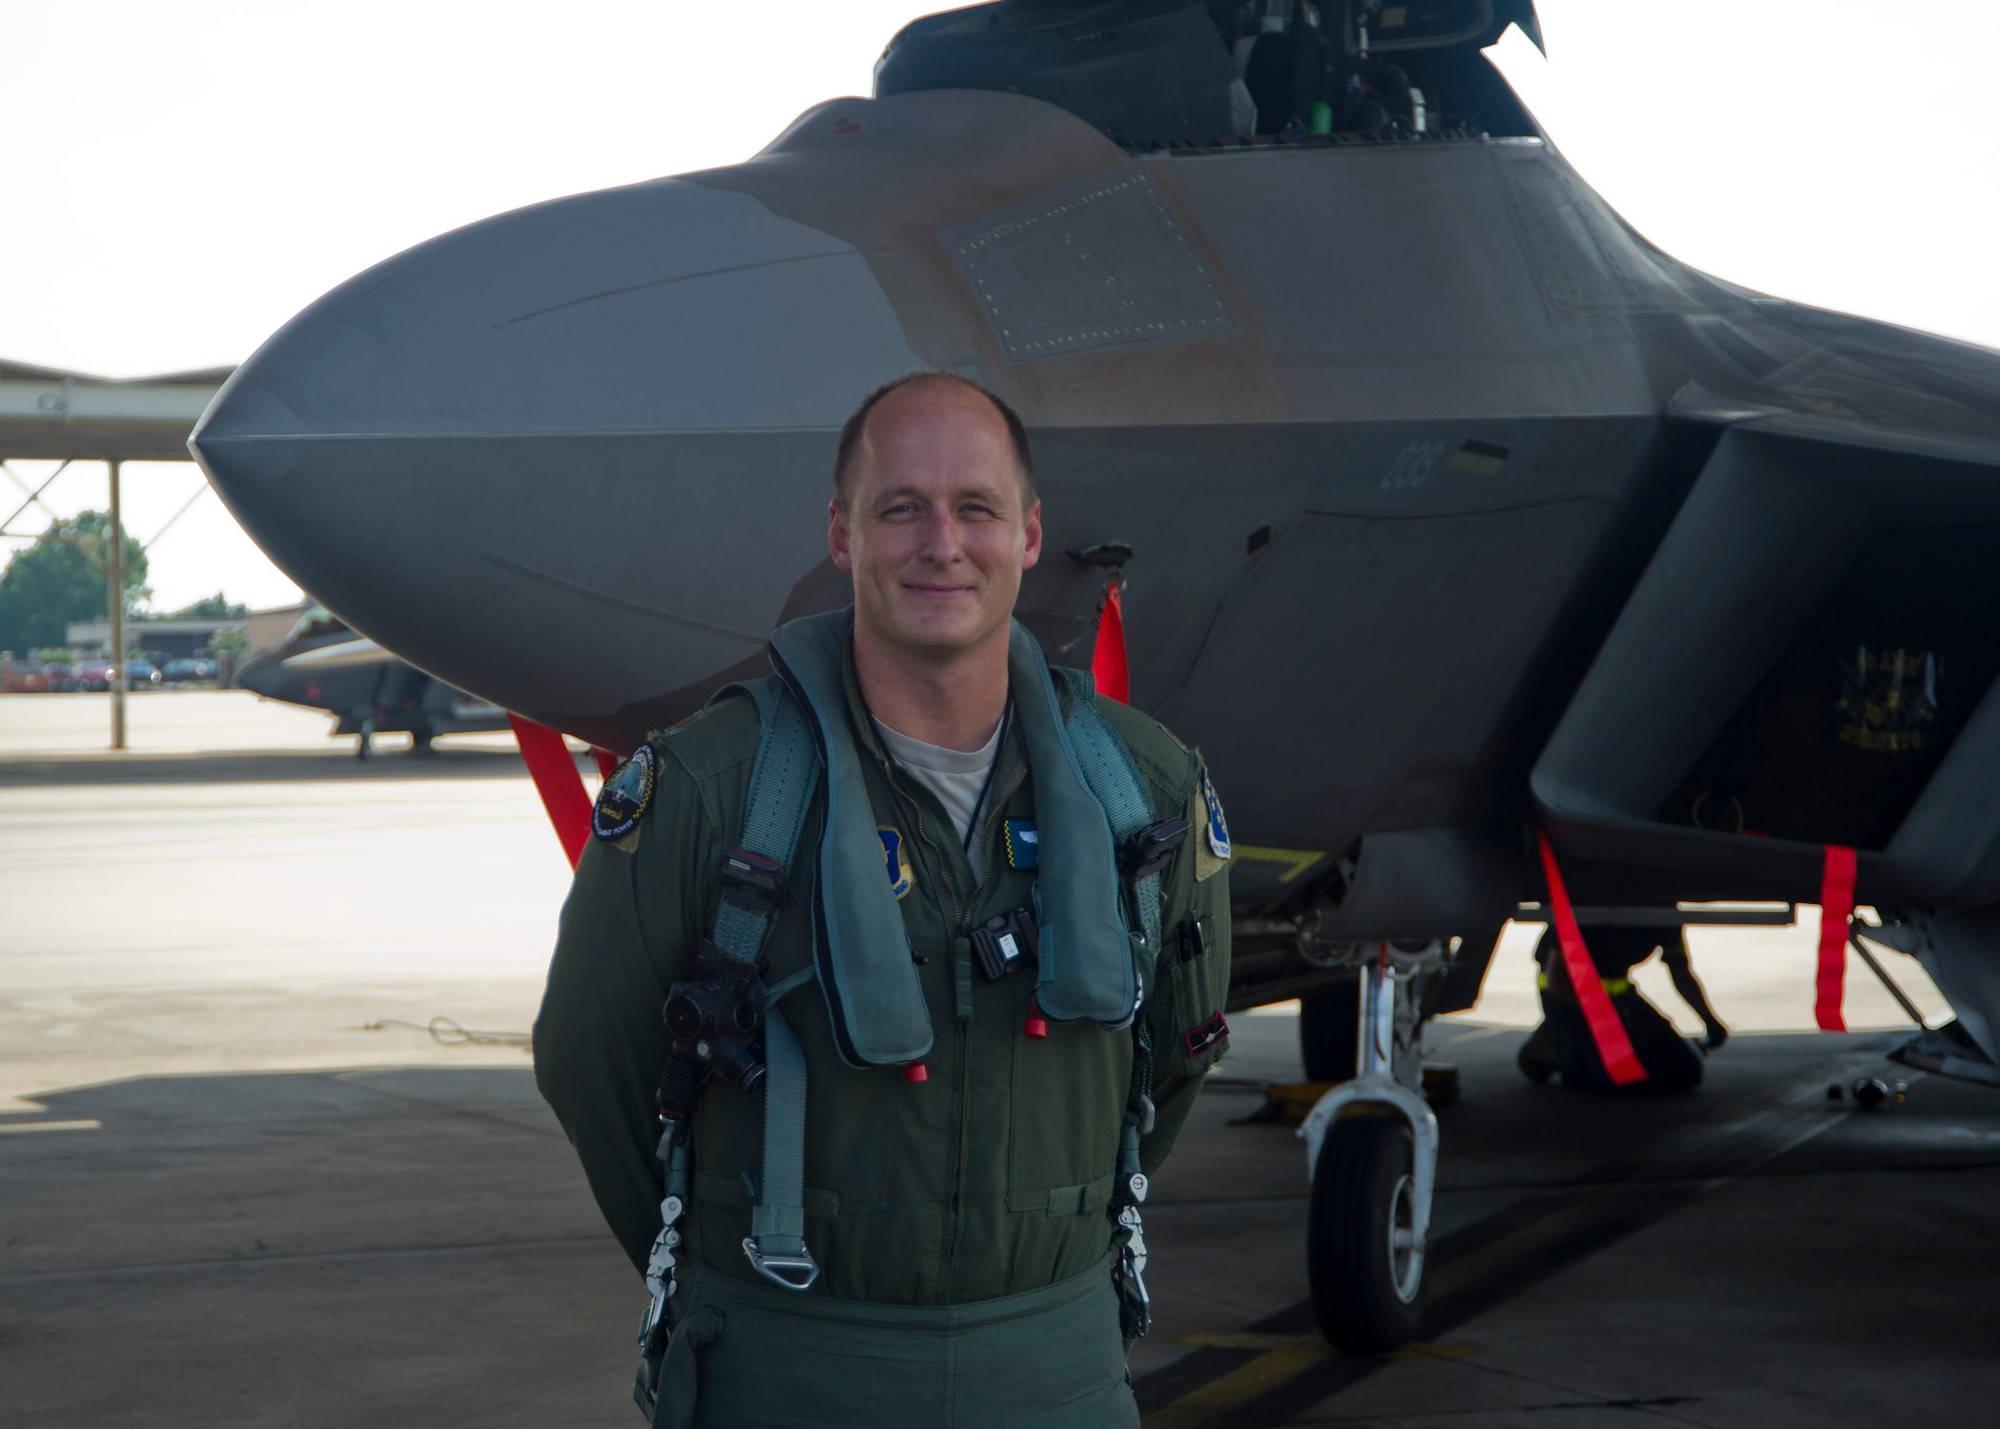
<point>1211,854</point>
<point>626,795</point>
<point>1024,844</point>
<point>896,856</point>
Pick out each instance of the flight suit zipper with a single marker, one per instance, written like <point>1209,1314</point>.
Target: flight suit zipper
<point>955,1218</point>
<point>960,927</point>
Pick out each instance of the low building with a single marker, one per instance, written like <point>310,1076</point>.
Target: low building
<point>171,636</point>
<point>268,628</point>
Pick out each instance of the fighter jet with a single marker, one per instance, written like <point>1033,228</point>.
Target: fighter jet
<point>324,665</point>
<point>1449,513</point>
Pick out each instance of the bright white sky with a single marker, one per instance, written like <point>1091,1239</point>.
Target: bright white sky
<point>180,179</point>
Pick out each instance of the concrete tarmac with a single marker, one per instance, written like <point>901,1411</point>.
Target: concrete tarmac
<point>225,1202</point>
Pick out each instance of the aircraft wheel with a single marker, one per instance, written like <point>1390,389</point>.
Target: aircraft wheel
<point>1327,1032</point>
<point>1366,1270</point>
<point>364,744</point>
<point>420,742</point>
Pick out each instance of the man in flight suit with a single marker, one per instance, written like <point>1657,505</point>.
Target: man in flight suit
<point>961,1210</point>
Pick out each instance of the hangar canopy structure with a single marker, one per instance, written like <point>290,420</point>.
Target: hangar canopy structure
<point>47,414</point>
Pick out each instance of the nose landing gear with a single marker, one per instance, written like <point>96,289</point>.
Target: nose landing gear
<point>1372,1146</point>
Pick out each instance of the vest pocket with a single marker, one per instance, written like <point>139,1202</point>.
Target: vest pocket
<point>1195,979</point>
<point>1066,1200</point>
<point>1067,1099</point>
<point>718,1189</point>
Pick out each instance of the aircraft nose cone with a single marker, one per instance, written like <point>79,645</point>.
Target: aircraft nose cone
<point>664,306</point>
<point>262,674</point>
<point>616,409</point>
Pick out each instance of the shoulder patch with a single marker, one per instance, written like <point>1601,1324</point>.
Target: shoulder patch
<point>896,856</point>
<point>626,795</point>
<point>1211,852</point>
<point>1218,827</point>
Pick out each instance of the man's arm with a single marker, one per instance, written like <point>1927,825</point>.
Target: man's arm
<point>1191,978</point>
<point>628,930</point>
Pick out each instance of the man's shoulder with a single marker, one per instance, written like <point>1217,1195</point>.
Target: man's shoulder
<point>1169,766</point>
<point>714,740</point>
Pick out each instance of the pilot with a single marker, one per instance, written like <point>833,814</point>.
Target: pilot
<point>942,940</point>
<point>1563,1042</point>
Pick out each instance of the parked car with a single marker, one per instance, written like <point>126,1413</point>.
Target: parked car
<point>140,674</point>
<point>188,670</point>
<point>56,675</point>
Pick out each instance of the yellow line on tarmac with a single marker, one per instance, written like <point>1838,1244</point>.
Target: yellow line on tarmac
<point>1242,1384</point>
<point>10,1126</point>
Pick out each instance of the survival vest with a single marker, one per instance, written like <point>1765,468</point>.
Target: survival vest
<point>1097,909</point>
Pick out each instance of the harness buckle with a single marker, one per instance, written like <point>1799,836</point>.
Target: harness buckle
<point>1152,848</point>
<point>779,1268</point>
<point>751,881</point>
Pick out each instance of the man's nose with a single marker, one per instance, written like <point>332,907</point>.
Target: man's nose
<point>943,541</point>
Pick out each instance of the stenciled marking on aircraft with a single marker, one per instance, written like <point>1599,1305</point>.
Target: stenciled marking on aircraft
<point>522,568</point>
<point>1295,861</point>
<point>1412,464</point>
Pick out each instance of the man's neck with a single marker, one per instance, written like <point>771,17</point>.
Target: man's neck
<point>954,704</point>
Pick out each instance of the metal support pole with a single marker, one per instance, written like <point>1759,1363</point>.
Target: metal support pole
<point>114,574</point>
<point>1902,998</point>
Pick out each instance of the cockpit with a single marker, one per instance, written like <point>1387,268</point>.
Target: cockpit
<point>317,623</point>
<point>1173,74</point>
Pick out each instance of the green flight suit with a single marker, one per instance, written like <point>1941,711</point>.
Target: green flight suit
<point>989,1178</point>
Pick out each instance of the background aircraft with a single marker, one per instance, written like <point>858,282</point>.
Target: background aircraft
<point>1446,507</point>
<point>324,665</point>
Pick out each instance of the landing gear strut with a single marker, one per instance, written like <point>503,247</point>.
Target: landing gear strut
<point>1372,1146</point>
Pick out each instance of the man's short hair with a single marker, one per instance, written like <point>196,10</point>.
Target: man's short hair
<point>850,432</point>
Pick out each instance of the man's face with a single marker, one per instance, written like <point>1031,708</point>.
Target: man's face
<point>936,530</point>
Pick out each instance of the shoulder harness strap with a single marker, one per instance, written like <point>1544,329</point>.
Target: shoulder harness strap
<point>753,875</point>
<point>1107,767</point>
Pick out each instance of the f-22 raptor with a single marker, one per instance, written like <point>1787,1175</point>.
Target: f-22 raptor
<point>1450,514</point>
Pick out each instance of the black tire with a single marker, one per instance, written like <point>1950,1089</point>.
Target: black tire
<point>1367,1295</point>
<point>1327,1032</point>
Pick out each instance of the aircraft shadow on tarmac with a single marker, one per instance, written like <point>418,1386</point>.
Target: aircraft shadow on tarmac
<point>389,1221</point>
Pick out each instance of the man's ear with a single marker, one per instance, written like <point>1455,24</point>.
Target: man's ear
<point>837,536</point>
<point>1033,550</point>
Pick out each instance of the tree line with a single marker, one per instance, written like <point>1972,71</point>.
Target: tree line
<point>62,578</point>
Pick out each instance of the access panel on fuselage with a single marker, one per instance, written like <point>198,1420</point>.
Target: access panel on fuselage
<point>1364,672</point>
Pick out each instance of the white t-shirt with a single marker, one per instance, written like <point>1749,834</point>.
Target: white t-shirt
<point>957,777</point>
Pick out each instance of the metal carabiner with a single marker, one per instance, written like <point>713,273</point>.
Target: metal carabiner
<point>1135,1305</point>
<point>1135,1243</point>
<point>774,1267</point>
